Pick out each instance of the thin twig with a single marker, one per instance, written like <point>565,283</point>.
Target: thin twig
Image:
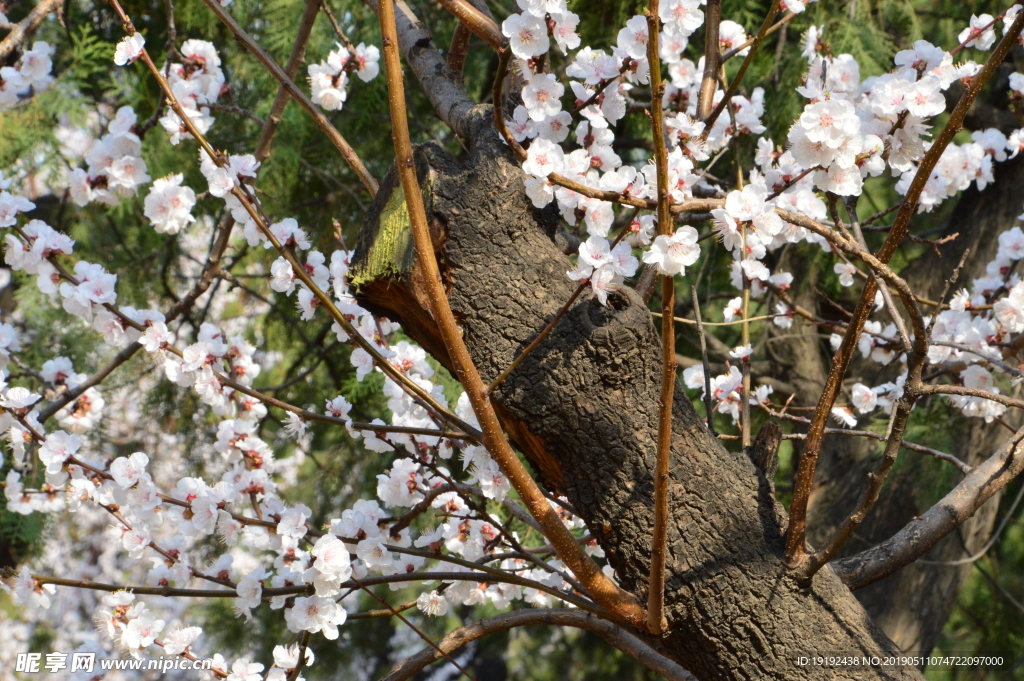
<point>708,399</point>
<point>657,623</point>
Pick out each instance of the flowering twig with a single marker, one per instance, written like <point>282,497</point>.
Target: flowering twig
<point>795,543</point>
<point>750,41</point>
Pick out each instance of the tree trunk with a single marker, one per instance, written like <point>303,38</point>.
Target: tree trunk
<point>583,407</point>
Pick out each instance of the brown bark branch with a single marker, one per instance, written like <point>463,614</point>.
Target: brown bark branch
<point>657,623</point>
<point>449,99</point>
<point>477,22</point>
<point>611,633</point>
<point>712,54</point>
<point>291,69</point>
<point>27,25</point>
<point>755,44</point>
<point>920,534</point>
<point>457,52</point>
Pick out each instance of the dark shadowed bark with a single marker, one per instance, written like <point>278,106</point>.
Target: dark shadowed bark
<point>912,606</point>
<point>583,408</point>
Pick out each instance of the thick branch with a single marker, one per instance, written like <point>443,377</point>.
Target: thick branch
<point>611,633</point>
<point>450,101</point>
<point>477,22</point>
<point>923,532</point>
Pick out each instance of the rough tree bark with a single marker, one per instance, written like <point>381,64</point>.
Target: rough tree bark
<point>912,606</point>
<point>583,408</point>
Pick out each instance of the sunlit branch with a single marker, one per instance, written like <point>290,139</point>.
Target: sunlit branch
<point>602,589</point>
<point>656,622</point>
<point>476,21</point>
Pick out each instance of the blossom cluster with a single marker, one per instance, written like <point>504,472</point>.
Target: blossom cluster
<point>196,82</point>
<point>329,78</point>
<point>115,165</point>
<point>30,74</point>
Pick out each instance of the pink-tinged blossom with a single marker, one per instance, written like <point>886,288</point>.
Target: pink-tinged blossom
<point>830,121</point>
<point>1009,311</point>
<point>541,96</point>
<point>58,448</point>
<point>129,49</point>
<point>681,17</point>
<point>18,399</point>
<point>25,589</point>
<point>730,36</point>
<point>980,34</point>
<point>633,38</point>
<point>564,30</point>
<point>367,61</point>
<point>169,204</point>
<point>315,614</point>
<point>10,206</point>
<point>844,417</point>
<point>672,254</point>
<point>845,271</point>
<point>432,604</point>
<point>543,158</point>
<point>250,592</point>
<point>127,471</point>
<point>864,398</point>
<point>527,34</point>
<point>293,522</point>
<point>243,670</point>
